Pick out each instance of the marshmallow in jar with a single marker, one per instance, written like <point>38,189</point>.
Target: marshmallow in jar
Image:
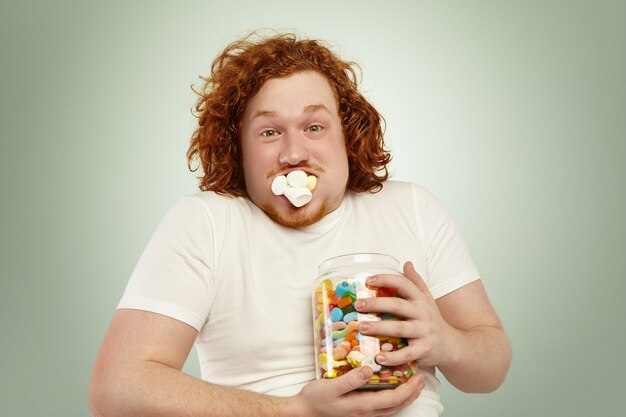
<point>296,186</point>
<point>339,347</point>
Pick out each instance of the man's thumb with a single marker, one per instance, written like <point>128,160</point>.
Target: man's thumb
<point>354,379</point>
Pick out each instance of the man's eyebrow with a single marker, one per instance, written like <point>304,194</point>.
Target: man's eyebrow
<point>315,107</point>
<point>264,113</point>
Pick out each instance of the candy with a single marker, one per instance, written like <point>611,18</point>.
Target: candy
<point>311,182</point>
<point>279,185</point>
<point>339,353</point>
<point>345,346</point>
<point>355,358</point>
<point>350,317</point>
<point>330,374</point>
<point>337,335</point>
<point>322,360</point>
<point>296,186</point>
<point>339,325</point>
<point>298,196</point>
<point>344,302</point>
<point>336,314</point>
<point>384,373</point>
<point>297,179</point>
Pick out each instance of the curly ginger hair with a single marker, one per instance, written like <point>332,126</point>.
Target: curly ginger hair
<point>238,73</point>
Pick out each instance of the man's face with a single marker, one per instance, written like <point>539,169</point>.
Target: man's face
<point>293,123</point>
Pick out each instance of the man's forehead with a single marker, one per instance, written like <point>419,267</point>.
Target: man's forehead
<point>305,91</point>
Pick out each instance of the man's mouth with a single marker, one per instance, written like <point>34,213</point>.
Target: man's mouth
<point>296,186</point>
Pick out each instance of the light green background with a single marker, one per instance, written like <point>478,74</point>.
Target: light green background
<point>511,112</point>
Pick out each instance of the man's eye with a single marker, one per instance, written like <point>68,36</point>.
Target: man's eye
<point>315,128</point>
<point>269,133</point>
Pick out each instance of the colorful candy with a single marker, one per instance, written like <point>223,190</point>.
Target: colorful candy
<point>336,321</point>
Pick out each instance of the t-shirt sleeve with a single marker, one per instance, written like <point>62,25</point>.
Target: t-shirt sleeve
<point>448,261</point>
<point>174,274</point>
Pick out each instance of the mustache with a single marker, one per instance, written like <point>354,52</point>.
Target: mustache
<point>310,167</point>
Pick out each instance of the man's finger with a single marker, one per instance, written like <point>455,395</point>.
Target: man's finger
<point>352,380</point>
<point>410,272</point>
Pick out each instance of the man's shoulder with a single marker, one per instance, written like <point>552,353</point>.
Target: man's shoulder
<point>215,203</point>
<point>399,193</point>
<point>400,189</point>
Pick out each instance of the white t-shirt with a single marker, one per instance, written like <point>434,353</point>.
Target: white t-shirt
<point>244,282</point>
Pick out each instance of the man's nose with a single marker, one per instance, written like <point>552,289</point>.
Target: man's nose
<point>294,149</point>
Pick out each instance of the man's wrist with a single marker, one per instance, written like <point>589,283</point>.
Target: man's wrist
<point>295,406</point>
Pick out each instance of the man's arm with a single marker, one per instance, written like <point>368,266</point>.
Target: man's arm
<point>460,333</point>
<point>480,350</point>
<point>138,373</point>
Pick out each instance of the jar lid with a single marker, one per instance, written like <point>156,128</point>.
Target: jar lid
<point>355,259</point>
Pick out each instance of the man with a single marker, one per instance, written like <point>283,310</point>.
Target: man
<point>231,268</point>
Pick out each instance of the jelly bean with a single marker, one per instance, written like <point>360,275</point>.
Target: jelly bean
<point>374,380</point>
<point>339,334</point>
<point>386,347</point>
<point>323,361</point>
<point>339,325</point>
<point>345,346</point>
<point>344,302</point>
<point>348,309</point>
<point>350,336</point>
<point>384,374</point>
<point>337,341</point>
<point>350,316</point>
<point>352,326</point>
<point>339,353</point>
<point>354,343</point>
<point>336,314</point>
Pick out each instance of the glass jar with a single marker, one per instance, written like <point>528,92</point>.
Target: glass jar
<point>339,347</point>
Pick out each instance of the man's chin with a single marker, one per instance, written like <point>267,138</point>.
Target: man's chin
<point>297,217</point>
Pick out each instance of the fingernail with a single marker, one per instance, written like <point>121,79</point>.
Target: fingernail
<point>371,280</point>
<point>359,305</point>
<point>364,327</point>
<point>366,372</point>
<point>380,359</point>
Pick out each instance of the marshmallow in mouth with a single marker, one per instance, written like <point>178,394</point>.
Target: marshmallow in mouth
<point>296,186</point>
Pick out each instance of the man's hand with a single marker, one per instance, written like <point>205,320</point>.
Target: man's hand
<point>429,336</point>
<point>336,397</point>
